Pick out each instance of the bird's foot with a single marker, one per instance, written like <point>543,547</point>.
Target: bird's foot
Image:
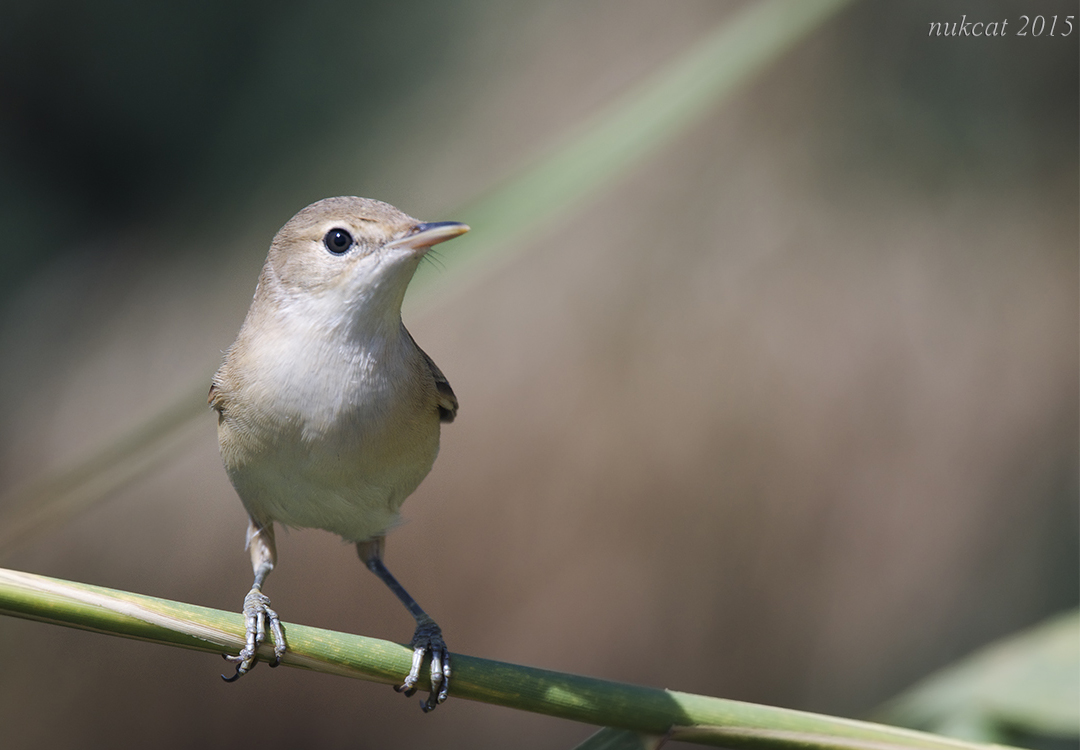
<point>428,640</point>
<point>257,616</point>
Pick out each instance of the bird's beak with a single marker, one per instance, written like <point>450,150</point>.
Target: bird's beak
<point>430,233</point>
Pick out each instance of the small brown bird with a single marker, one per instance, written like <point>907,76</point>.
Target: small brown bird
<point>328,411</point>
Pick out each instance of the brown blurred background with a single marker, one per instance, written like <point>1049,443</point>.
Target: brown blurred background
<point>789,414</point>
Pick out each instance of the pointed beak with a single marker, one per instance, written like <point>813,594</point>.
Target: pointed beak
<point>430,233</point>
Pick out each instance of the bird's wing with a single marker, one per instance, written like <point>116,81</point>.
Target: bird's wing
<point>448,403</point>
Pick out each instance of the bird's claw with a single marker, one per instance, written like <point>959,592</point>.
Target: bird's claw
<point>257,616</point>
<point>428,640</point>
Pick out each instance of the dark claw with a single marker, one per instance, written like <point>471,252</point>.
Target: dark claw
<point>238,674</point>
<point>431,702</point>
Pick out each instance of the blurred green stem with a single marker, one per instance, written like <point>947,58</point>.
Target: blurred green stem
<point>650,711</point>
<point>622,134</point>
<point>55,498</point>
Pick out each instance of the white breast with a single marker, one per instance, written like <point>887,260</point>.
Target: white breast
<point>329,430</point>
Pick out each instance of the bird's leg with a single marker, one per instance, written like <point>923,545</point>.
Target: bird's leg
<point>426,640</point>
<point>257,612</point>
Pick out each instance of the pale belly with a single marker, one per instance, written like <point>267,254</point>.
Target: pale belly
<point>348,481</point>
<point>327,432</point>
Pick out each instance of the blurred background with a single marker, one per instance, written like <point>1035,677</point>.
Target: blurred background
<point>787,412</point>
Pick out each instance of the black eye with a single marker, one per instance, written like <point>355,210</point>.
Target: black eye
<point>338,241</point>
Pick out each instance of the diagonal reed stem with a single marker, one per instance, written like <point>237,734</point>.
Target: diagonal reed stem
<point>693,718</point>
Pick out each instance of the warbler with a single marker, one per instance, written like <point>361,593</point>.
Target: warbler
<point>328,412</point>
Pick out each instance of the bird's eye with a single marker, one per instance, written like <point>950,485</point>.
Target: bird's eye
<point>338,241</point>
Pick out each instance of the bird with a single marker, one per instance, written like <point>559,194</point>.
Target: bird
<point>328,411</point>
